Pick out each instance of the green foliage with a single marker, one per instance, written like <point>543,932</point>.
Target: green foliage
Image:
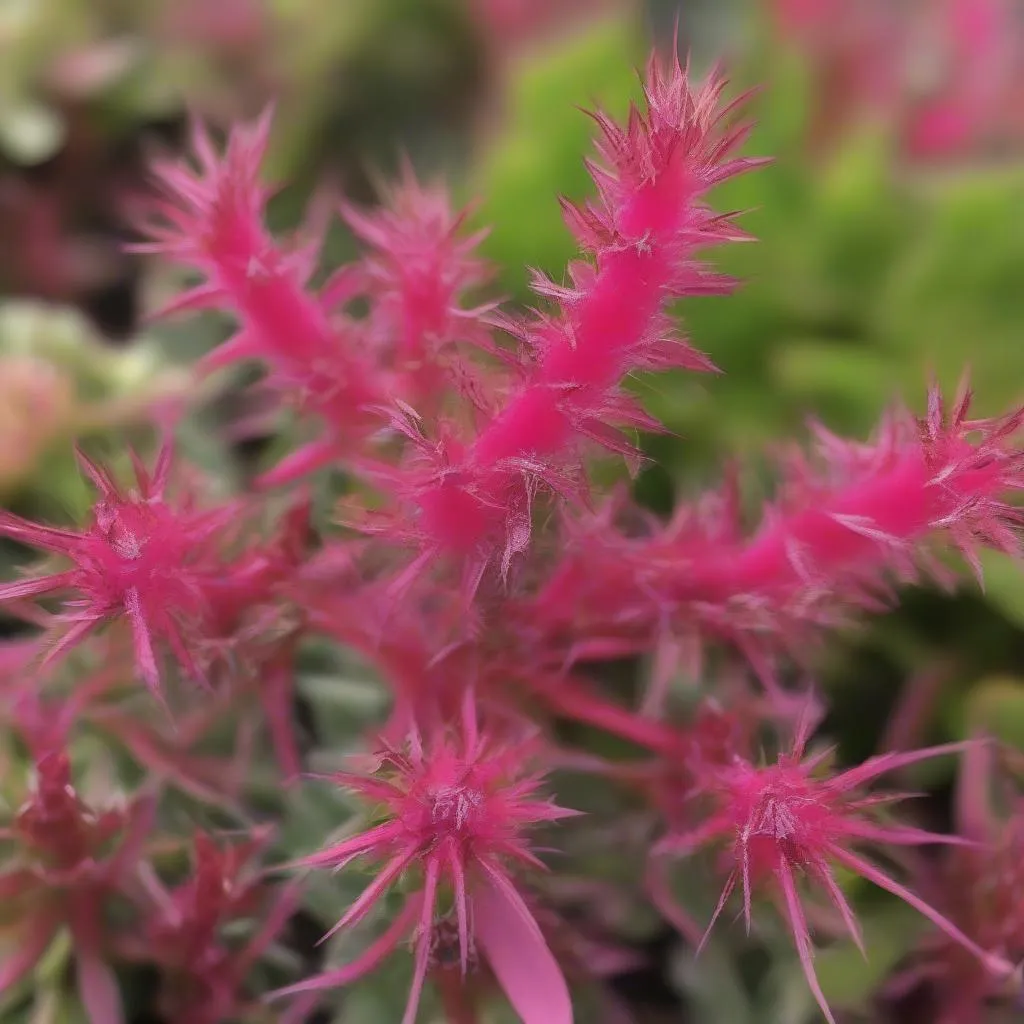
<point>1003,585</point>
<point>995,707</point>
<point>538,154</point>
<point>848,979</point>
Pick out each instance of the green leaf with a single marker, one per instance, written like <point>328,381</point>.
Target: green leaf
<point>1004,584</point>
<point>828,377</point>
<point>890,932</point>
<point>539,155</point>
<point>995,706</point>
<point>713,984</point>
<point>953,297</point>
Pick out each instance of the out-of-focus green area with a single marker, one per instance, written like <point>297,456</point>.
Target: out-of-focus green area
<point>870,272</point>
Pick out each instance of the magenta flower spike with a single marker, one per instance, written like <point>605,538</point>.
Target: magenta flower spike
<point>456,806</point>
<point>849,521</point>
<point>642,234</point>
<point>458,581</point>
<point>212,219</point>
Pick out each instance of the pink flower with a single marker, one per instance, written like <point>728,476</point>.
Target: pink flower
<point>941,72</point>
<point>139,559</point>
<point>964,109</point>
<point>456,807</point>
<point>783,823</point>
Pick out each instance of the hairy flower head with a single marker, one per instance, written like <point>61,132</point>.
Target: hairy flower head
<point>456,806</point>
<point>785,824</point>
<point>139,559</point>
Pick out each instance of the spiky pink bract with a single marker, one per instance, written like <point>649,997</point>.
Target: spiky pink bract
<point>212,219</point>
<point>643,233</point>
<point>139,559</point>
<point>784,824</point>
<point>66,860</point>
<point>253,621</point>
<point>456,806</point>
<point>420,267</point>
<point>977,886</point>
<point>847,523</point>
<point>183,930</point>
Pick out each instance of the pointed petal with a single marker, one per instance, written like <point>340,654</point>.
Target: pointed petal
<point>340,853</point>
<point>236,349</point>
<point>48,537</point>
<point>372,957</point>
<point>364,785</point>
<point>843,906</point>
<point>883,763</point>
<point>361,907</point>
<point>461,914</point>
<point>58,644</point>
<point>194,300</point>
<point>97,983</point>
<point>802,937</point>
<point>517,953</point>
<point>145,658</point>
<point>99,475</point>
<point>300,463</point>
<point>162,467</point>
<point>423,941</point>
<point>98,988</point>
<point>33,586</point>
<point>687,842</point>
<point>867,870</point>
<point>901,835</point>
<point>342,286</point>
<point>727,890</point>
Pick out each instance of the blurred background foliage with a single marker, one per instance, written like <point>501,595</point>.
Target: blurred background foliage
<point>874,267</point>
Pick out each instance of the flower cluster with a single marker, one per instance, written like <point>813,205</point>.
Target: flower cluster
<point>471,567</point>
<point>945,72</point>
